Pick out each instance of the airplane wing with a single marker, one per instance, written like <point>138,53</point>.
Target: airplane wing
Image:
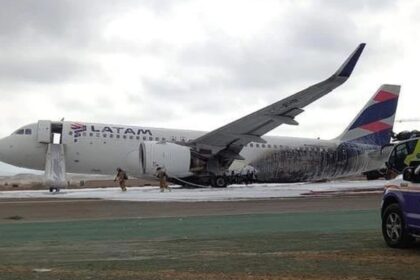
<point>251,127</point>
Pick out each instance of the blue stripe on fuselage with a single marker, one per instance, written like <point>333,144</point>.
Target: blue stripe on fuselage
<point>376,112</point>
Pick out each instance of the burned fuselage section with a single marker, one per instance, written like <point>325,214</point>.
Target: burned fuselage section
<point>312,163</point>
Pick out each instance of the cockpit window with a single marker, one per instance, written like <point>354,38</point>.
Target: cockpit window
<point>23,131</point>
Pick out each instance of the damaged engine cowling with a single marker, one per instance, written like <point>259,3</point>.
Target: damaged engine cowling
<point>176,159</point>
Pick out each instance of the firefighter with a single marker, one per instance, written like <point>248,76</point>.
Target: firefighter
<point>161,174</point>
<point>121,177</point>
<point>248,177</point>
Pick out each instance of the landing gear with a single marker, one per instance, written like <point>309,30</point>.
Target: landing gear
<point>219,182</point>
<point>373,175</point>
<point>202,181</point>
<point>54,189</point>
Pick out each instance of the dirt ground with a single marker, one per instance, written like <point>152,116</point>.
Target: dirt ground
<point>299,238</point>
<point>69,209</point>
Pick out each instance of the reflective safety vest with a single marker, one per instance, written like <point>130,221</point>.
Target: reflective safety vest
<point>414,156</point>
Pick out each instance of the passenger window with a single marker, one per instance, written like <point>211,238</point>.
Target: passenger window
<point>124,137</point>
<point>263,145</point>
<point>138,137</point>
<point>91,134</point>
<point>401,151</point>
<point>144,138</point>
<point>251,145</point>
<point>111,136</point>
<point>157,138</point>
<point>398,156</point>
<point>163,138</point>
<point>392,157</point>
<point>275,146</point>
<point>131,137</point>
<point>28,131</point>
<point>104,135</point>
<point>70,133</point>
<point>98,134</point>
<point>151,138</point>
<point>117,136</point>
<point>269,146</point>
<point>257,145</point>
<point>84,133</point>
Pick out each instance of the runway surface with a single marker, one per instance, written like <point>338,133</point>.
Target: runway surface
<point>306,237</point>
<point>231,193</point>
<point>59,209</point>
<point>111,203</point>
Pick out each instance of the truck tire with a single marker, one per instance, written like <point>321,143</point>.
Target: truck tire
<point>394,230</point>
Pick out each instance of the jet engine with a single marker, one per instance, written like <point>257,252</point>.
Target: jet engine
<point>176,159</point>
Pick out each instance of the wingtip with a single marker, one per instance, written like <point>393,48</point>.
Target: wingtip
<point>347,68</point>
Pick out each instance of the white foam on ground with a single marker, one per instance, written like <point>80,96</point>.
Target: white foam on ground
<point>233,192</point>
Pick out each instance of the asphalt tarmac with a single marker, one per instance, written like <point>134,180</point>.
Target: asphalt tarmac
<point>335,237</point>
<point>56,209</point>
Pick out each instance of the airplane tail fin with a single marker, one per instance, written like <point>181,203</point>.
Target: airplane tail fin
<point>373,125</point>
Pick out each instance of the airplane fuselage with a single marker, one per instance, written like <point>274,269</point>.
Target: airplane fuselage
<point>92,148</point>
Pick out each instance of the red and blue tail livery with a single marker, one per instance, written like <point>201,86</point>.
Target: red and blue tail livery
<point>373,125</point>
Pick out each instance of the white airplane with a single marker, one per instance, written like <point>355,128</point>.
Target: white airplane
<point>203,157</point>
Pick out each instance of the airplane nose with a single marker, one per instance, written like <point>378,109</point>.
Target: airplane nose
<point>4,147</point>
<point>1,149</point>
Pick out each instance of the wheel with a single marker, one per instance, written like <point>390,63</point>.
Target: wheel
<point>219,182</point>
<point>373,175</point>
<point>393,228</point>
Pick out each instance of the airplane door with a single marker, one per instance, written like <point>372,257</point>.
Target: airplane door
<point>44,131</point>
<point>412,201</point>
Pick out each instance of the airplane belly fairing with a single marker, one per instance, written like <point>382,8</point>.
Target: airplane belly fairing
<point>313,163</point>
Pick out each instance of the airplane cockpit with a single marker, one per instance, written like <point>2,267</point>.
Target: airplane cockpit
<point>23,131</point>
<point>22,149</point>
<point>44,131</point>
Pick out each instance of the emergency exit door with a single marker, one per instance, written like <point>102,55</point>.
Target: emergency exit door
<point>44,132</point>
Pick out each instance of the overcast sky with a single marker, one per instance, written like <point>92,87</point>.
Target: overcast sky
<point>201,64</point>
